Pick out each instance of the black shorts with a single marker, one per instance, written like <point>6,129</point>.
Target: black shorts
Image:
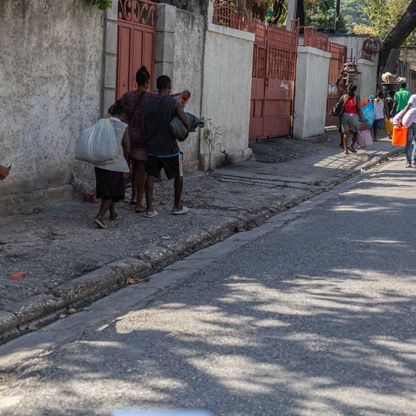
<point>171,165</point>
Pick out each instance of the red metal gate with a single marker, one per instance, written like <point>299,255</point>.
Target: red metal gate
<point>136,41</point>
<point>273,84</point>
<point>338,58</point>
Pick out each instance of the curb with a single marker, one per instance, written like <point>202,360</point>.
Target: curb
<point>376,159</point>
<point>41,310</point>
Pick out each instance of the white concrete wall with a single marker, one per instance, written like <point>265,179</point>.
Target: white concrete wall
<point>187,74</point>
<point>50,88</point>
<point>311,92</point>
<point>354,44</point>
<point>215,64</point>
<point>408,58</point>
<point>226,96</point>
<point>367,79</point>
<point>367,83</point>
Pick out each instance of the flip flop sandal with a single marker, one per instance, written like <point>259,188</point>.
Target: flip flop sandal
<point>139,211</point>
<point>153,214</point>
<point>183,211</point>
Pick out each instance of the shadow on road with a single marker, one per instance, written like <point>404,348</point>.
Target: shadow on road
<point>318,319</point>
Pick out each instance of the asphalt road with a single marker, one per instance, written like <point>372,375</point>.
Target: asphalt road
<point>315,317</point>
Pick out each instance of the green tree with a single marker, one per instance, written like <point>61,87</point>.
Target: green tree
<point>321,14</point>
<point>101,4</point>
<point>354,14</point>
<point>384,15</point>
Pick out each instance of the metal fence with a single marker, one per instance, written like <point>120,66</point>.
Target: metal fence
<point>274,73</point>
<point>336,64</point>
<point>229,14</point>
<point>136,41</point>
<point>315,39</point>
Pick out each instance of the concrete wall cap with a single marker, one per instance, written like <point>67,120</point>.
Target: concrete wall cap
<point>314,51</point>
<point>362,61</point>
<point>235,33</point>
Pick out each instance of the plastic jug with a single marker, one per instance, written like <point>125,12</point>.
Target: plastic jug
<point>388,126</point>
<point>399,136</point>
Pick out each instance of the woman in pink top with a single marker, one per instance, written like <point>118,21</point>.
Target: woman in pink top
<point>134,102</point>
<point>351,117</point>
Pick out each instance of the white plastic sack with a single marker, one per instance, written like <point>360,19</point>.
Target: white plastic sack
<point>397,117</point>
<point>98,144</point>
<point>409,117</point>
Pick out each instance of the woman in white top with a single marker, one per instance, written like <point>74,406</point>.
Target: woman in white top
<point>110,186</point>
<point>379,109</point>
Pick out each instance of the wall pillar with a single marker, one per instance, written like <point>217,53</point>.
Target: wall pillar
<point>165,40</point>
<point>227,80</point>
<point>110,58</point>
<point>312,73</point>
<point>367,83</point>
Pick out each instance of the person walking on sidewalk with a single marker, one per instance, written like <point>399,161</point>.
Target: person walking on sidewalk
<point>401,98</point>
<point>110,177</point>
<point>163,150</point>
<point>350,120</point>
<point>411,135</point>
<point>4,172</point>
<point>134,102</point>
<point>379,106</point>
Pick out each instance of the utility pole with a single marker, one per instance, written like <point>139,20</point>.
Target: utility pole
<point>337,13</point>
<point>291,13</point>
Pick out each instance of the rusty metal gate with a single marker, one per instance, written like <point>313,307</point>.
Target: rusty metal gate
<point>273,84</point>
<point>338,58</point>
<point>136,41</point>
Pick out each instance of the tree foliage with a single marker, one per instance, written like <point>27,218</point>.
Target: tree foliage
<point>354,14</point>
<point>376,17</point>
<point>320,13</point>
<point>101,4</point>
<point>384,16</point>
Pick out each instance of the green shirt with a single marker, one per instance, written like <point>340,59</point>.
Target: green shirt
<point>402,97</point>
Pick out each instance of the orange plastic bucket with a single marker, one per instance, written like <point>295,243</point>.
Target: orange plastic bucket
<point>399,136</point>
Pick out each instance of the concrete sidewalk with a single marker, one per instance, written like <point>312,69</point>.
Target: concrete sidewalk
<point>69,262</point>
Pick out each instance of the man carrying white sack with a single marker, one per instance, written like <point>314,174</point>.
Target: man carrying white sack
<point>409,119</point>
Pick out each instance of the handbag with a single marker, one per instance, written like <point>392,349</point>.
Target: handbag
<point>364,138</point>
<point>338,109</point>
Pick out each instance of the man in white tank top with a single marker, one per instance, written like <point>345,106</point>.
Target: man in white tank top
<point>378,103</point>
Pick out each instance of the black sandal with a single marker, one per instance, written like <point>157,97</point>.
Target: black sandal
<point>352,149</point>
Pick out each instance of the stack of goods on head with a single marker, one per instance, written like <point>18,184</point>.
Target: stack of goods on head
<point>391,81</point>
